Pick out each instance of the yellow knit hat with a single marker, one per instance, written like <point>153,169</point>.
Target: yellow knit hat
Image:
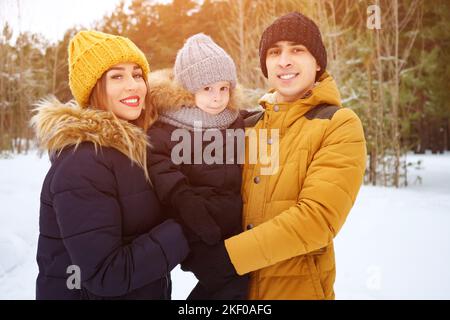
<point>92,53</point>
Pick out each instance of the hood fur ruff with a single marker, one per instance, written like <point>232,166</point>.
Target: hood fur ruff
<point>167,94</point>
<point>60,125</point>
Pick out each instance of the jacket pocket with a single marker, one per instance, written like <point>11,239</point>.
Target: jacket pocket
<point>315,277</point>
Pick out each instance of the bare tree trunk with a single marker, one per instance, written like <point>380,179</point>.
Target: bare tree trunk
<point>447,137</point>
<point>3,96</point>
<point>55,68</point>
<point>380,114</point>
<point>395,93</point>
<point>372,127</point>
<point>329,30</point>
<point>241,9</point>
<point>20,91</point>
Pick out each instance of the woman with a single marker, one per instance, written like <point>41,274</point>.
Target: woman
<point>100,220</point>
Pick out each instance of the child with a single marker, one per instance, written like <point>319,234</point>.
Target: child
<point>103,234</point>
<point>205,198</point>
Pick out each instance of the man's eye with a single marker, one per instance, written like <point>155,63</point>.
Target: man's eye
<point>296,50</point>
<point>273,52</point>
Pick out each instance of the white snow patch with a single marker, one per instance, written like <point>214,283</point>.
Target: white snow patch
<point>395,243</point>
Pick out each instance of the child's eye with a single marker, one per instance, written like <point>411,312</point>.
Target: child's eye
<point>207,88</point>
<point>224,89</point>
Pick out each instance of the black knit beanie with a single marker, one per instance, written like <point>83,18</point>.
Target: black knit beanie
<point>297,28</point>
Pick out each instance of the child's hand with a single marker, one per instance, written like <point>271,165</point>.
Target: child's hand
<point>210,264</point>
<point>226,210</point>
<point>196,219</point>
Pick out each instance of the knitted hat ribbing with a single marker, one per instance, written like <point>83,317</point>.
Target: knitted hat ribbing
<point>202,62</point>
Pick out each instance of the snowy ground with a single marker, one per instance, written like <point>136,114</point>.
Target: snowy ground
<point>394,245</point>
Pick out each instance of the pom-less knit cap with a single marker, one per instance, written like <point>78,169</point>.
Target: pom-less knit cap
<point>202,62</point>
<point>92,53</point>
<point>297,28</point>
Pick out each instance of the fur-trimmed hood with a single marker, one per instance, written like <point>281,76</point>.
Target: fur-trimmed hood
<point>60,125</point>
<point>166,94</point>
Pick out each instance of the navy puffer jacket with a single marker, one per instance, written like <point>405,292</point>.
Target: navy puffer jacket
<point>99,213</point>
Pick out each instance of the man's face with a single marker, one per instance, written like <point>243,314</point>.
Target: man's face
<point>291,70</point>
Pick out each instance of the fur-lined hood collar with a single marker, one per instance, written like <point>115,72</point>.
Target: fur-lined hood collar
<point>60,125</point>
<point>166,94</point>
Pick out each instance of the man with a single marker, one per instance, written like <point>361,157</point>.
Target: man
<point>293,215</point>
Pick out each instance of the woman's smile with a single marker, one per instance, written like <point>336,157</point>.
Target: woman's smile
<point>132,101</point>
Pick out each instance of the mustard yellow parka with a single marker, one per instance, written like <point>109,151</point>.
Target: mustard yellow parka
<point>294,214</point>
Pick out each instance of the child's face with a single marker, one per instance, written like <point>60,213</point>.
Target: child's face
<point>213,98</point>
<point>291,70</point>
<point>125,90</point>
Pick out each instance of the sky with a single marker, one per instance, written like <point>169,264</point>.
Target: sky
<point>52,18</point>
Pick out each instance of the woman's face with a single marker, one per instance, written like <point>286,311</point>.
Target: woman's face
<point>125,90</point>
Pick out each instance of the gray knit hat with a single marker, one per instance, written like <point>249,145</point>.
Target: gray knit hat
<point>202,62</point>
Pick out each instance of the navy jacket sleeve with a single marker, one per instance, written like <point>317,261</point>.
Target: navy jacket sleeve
<point>89,217</point>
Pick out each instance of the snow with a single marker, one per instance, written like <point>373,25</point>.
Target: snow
<point>395,243</point>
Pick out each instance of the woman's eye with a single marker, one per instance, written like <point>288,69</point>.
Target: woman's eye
<point>138,76</point>
<point>116,76</point>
